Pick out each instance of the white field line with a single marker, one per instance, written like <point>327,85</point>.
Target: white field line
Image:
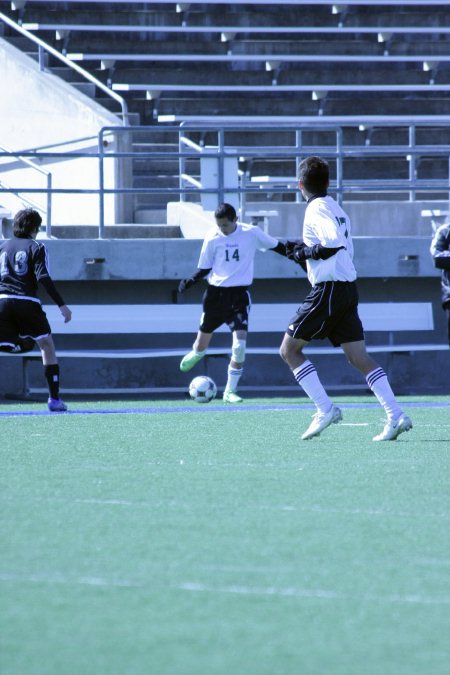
<point>293,568</point>
<point>196,587</point>
<point>316,594</point>
<point>433,562</point>
<point>71,581</point>
<point>109,502</point>
<point>432,426</point>
<point>353,424</point>
<point>255,507</point>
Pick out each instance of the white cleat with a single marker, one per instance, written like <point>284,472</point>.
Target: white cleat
<point>321,421</point>
<point>393,429</point>
<point>231,397</point>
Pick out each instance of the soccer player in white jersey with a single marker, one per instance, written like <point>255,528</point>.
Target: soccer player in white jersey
<point>227,260</point>
<point>330,310</point>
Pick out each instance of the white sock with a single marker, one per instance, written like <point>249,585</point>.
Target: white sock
<point>234,375</point>
<point>194,351</point>
<point>379,384</point>
<point>307,378</point>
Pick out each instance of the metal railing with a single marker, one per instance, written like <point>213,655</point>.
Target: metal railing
<point>338,152</point>
<point>18,192</point>
<point>43,48</point>
<point>188,149</point>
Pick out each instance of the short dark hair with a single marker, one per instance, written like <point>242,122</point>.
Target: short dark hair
<point>314,173</point>
<point>26,222</point>
<point>225,211</point>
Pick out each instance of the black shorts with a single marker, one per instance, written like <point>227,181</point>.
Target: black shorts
<point>21,318</point>
<point>330,310</point>
<point>225,305</point>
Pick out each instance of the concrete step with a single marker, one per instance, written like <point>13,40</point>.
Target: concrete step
<point>226,105</point>
<point>297,105</point>
<point>156,179</point>
<point>67,74</point>
<point>86,88</point>
<point>213,73</point>
<point>124,44</point>
<point>18,41</point>
<point>92,14</point>
<point>139,230</point>
<point>150,216</point>
<point>134,116</point>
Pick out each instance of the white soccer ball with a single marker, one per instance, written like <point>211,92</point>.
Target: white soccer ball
<point>202,389</point>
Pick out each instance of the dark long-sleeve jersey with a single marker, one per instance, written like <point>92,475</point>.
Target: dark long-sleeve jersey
<point>24,264</point>
<point>440,250</point>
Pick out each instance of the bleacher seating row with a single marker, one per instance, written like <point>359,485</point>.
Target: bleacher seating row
<point>258,62</point>
<point>303,60</point>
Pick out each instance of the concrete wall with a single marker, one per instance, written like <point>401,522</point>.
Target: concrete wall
<point>163,259</point>
<point>397,269</point>
<point>284,219</point>
<point>368,218</point>
<point>39,110</point>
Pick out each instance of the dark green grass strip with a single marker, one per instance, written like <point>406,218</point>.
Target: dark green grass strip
<point>27,409</point>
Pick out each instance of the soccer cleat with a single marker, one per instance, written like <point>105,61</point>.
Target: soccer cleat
<point>393,429</point>
<point>56,405</point>
<point>321,421</point>
<point>189,361</point>
<point>231,397</point>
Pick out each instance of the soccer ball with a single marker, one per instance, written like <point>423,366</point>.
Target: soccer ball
<point>202,389</point>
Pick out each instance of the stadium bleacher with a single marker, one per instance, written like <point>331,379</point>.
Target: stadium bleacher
<point>255,44</point>
<point>190,61</point>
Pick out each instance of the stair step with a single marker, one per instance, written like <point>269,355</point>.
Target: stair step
<point>87,88</point>
<point>147,216</point>
<point>142,230</point>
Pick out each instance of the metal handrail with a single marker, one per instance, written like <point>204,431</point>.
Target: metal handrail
<point>44,47</point>
<point>23,156</point>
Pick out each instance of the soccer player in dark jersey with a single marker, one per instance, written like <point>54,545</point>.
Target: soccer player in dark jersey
<point>440,250</point>
<point>24,264</point>
<point>330,310</point>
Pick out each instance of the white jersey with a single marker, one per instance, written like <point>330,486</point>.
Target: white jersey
<point>327,223</point>
<point>231,257</point>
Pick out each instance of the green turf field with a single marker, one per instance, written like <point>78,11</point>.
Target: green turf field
<point>179,539</point>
